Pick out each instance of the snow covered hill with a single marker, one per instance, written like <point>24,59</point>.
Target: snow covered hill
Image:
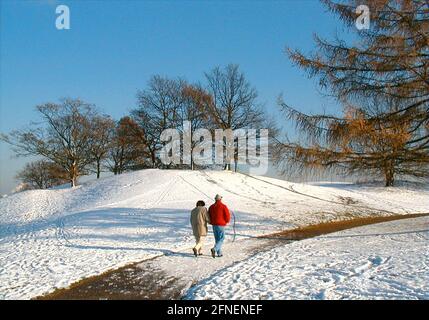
<point>388,260</point>
<point>52,238</point>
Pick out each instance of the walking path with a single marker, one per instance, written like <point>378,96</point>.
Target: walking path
<point>169,276</point>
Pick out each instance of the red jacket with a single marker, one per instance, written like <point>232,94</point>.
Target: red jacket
<point>219,214</point>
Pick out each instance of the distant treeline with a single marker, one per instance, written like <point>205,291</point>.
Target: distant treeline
<point>75,139</point>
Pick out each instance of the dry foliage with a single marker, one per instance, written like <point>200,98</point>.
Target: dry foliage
<point>383,83</point>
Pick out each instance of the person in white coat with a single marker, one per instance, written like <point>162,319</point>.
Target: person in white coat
<point>199,220</point>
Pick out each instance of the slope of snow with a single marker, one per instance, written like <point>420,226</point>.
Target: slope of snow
<point>52,238</point>
<point>382,261</point>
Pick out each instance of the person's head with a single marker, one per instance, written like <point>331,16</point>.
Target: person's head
<point>218,197</point>
<point>200,203</point>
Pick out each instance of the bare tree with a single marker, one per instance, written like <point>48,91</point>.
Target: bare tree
<point>234,102</point>
<point>158,109</point>
<point>128,149</point>
<point>42,175</point>
<point>193,110</point>
<point>64,137</point>
<point>102,134</point>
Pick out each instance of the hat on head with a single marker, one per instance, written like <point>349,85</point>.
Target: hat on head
<point>218,197</point>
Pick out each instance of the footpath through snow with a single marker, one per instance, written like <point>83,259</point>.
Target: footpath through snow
<point>52,238</point>
<point>170,276</point>
<point>387,260</point>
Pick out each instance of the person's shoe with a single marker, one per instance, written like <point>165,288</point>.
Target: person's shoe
<point>220,255</point>
<point>213,252</point>
<point>195,252</point>
<point>200,253</point>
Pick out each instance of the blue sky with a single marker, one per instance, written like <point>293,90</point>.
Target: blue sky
<point>113,47</point>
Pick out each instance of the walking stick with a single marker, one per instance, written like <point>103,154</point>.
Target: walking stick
<point>233,226</point>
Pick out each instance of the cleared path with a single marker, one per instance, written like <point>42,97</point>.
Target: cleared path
<point>171,275</point>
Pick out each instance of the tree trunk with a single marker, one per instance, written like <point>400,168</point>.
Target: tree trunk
<point>120,166</point>
<point>389,182</point>
<point>389,175</point>
<point>73,175</point>
<point>74,182</point>
<point>153,158</point>
<point>98,169</point>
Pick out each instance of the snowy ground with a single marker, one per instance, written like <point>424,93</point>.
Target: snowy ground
<point>52,238</point>
<point>388,260</point>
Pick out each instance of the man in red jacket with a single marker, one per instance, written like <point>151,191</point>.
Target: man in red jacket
<point>219,218</point>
